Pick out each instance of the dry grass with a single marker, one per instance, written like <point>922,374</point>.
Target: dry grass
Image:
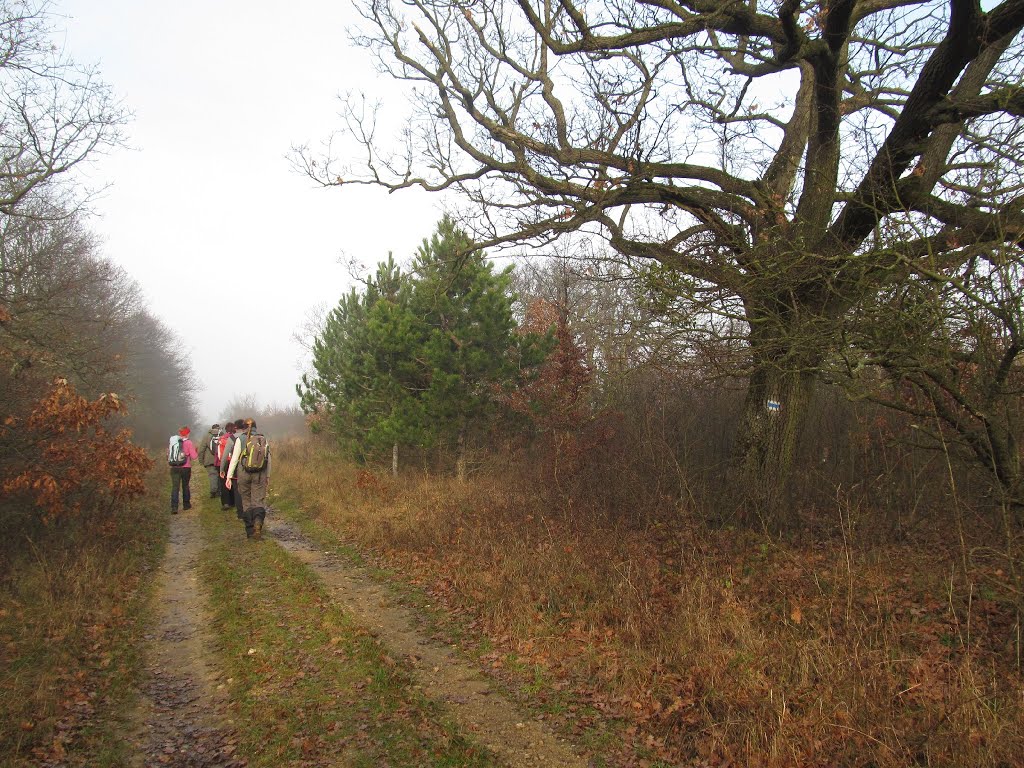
<point>320,689</point>
<point>73,601</point>
<point>716,647</point>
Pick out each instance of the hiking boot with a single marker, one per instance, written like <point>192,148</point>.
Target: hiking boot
<point>187,507</point>
<point>257,529</point>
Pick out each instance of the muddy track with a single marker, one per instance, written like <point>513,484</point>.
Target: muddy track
<point>442,676</point>
<point>180,720</point>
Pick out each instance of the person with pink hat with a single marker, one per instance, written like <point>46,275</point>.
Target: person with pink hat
<point>180,455</point>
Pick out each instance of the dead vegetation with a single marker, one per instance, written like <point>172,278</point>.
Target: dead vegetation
<point>73,608</point>
<point>707,645</point>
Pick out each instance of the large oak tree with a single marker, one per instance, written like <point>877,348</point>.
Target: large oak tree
<point>776,162</point>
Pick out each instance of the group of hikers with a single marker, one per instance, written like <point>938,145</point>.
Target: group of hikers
<point>237,461</point>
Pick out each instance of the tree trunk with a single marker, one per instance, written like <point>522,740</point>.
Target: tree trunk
<point>774,412</point>
<point>394,459</point>
<point>460,456</point>
<point>1005,465</point>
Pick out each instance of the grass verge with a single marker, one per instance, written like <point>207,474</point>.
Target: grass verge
<point>307,682</point>
<point>74,604</point>
<point>672,642</point>
<point>357,521</point>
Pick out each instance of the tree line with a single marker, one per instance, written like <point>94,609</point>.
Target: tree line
<point>87,373</point>
<point>588,378</point>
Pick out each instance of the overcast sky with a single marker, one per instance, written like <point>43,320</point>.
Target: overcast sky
<point>204,208</point>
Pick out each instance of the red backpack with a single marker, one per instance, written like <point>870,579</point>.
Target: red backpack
<point>222,446</point>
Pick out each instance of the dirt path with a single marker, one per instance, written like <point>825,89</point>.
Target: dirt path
<point>179,722</point>
<point>459,687</point>
<point>182,719</point>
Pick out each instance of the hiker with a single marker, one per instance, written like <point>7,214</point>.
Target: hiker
<point>225,465</point>
<point>227,495</point>
<point>210,459</point>
<point>250,461</point>
<point>180,454</point>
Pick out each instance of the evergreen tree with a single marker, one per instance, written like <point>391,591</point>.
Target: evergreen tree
<point>419,359</point>
<point>361,358</point>
<point>469,348</point>
<point>390,404</point>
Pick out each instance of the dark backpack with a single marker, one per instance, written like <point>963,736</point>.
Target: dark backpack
<point>176,452</point>
<point>254,457</point>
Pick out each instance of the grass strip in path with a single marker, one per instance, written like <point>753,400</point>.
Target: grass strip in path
<point>513,713</point>
<point>310,685</point>
<point>521,740</point>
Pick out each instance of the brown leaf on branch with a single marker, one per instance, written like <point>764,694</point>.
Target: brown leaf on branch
<point>58,464</point>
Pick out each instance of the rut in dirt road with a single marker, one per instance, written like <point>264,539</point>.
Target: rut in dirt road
<point>181,720</point>
<point>455,684</point>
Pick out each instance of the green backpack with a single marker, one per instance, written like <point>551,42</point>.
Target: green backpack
<point>254,457</point>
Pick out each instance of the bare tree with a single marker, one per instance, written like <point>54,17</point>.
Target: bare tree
<point>63,302</point>
<point>611,312</point>
<point>156,376</point>
<point>779,162</point>
<point>66,312</point>
<point>243,406</point>
<point>278,421</point>
<point>53,112</point>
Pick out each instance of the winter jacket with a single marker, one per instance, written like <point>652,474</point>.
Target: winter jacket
<point>227,444</point>
<point>207,457</point>
<point>239,450</point>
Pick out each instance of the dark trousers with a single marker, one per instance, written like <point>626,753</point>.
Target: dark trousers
<point>181,477</point>
<point>227,498</point>
<point>239,507</point>
<point>213,471</point>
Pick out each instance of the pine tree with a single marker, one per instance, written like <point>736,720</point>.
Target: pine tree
<point>470,348</point>
<point>364,384</point>
<point>418,359</point>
